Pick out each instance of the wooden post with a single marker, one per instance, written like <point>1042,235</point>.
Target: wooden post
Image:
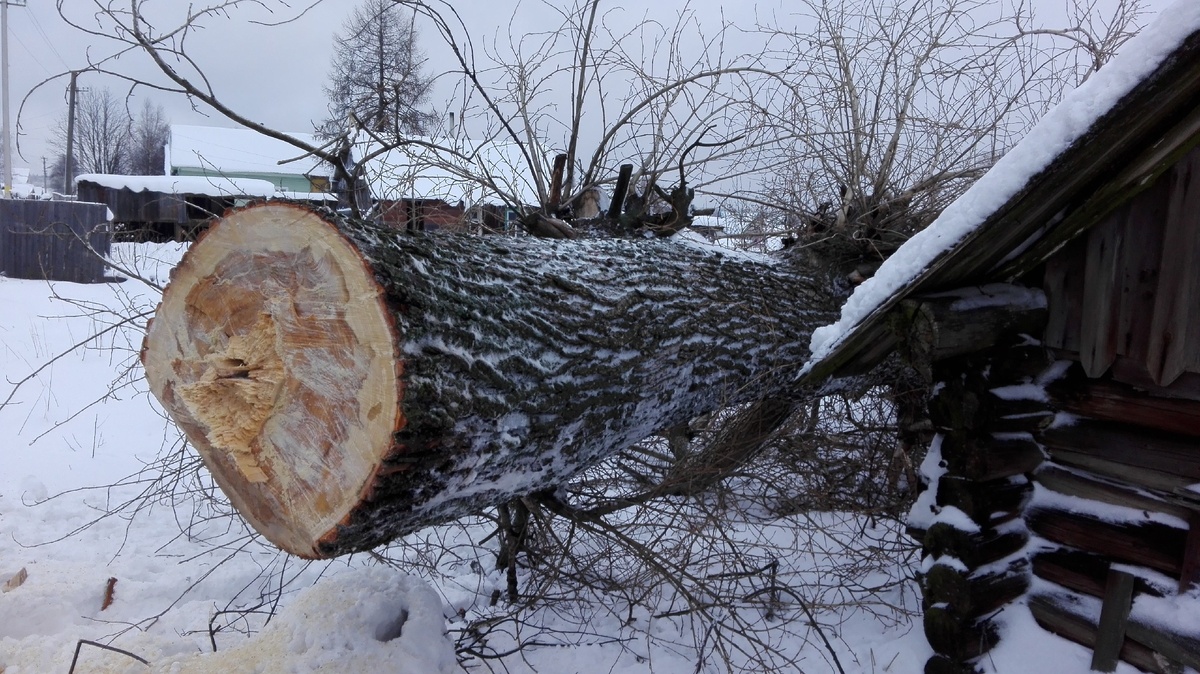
<point>556,183</point>
<point>1189,577</point>
<point>619,192</point>
<point>1114,616</point>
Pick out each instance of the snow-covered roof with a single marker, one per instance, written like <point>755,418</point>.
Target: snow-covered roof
<point>306,196</point>
<point>450,170</point>
<point>20,187</point>
<point>23,190</point>
<point>1061,128</point>
<point>204,185</point>
<point>233,151</point>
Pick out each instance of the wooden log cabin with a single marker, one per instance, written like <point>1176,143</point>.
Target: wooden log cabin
<point>1061,340</point>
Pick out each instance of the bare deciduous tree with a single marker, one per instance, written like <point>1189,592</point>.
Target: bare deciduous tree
<point>859,124</point>
<point>102,142</point>
<point>900,107</point>
<point>148,138</point>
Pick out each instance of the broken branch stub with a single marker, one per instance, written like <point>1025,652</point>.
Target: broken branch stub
<point>346,384</point>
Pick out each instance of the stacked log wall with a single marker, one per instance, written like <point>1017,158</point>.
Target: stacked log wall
<point>1074,491</point>
<point>1116,499</point>
<point>972,348</point>
<point>1119,492</point>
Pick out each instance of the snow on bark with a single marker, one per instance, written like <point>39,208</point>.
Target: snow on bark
<point>347,384</point>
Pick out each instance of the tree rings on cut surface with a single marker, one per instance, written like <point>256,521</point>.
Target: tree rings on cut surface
<point>274,351</point>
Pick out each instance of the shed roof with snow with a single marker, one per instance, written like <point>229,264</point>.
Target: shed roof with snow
<point>212,151</point>
<point>1105,143</point>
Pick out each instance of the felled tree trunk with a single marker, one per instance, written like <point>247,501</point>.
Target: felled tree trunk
<point>346,384</point>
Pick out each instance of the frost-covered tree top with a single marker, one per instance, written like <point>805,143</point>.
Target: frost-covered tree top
<point>376,73</point>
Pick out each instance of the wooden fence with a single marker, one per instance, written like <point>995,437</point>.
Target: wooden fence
<point>50,239</point>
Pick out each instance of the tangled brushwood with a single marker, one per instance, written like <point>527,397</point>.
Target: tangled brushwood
<point>737,539</point>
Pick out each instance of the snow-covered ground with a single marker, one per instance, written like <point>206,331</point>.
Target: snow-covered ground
<point>161,578</point>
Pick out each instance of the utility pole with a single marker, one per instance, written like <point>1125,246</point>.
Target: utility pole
<point>68,168</point>
<point>7,142</point>
<point>4,67</point>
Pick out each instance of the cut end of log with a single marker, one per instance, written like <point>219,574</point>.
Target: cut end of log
<point>273,350</point>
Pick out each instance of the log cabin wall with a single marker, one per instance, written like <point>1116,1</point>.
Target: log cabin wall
<point>970,345</point>
<point>1117,502</point>
<point>1066,493</point>
<point>1125,296</point>
<point>1070,440</point>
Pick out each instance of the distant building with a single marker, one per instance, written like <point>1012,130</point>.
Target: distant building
<point>217,152</point>
<point>23,189</point>
<point>160,208</point>
<point>448,184</point>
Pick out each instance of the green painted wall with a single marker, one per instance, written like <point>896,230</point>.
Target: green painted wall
<point>288,182</point>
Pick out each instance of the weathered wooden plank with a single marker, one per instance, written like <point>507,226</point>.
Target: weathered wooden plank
<point>1082,572</point>
<point>1189,577</point>
<point>1183,650</point>
<point>1174,319</point>
<point>1142,254</point>
<point>1101,295</point>
<point>1134,373</point>
<point>1112,401</point>
<point>1142,477</point>
<point>1155,450</point>
<point>1114,616</point>
<point>1064,281</point>
<point>1073,483</point>
<point>1054,616</point>
<point>1150,544</point>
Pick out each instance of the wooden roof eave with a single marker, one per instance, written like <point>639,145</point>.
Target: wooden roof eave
<point>1137,140</point>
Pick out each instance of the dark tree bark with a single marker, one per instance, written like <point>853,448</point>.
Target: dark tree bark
<point>346,384</point>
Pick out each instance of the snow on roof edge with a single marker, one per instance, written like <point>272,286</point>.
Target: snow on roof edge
<point>239,150</point>
<point>205,185</point>
<point>1054,133</point>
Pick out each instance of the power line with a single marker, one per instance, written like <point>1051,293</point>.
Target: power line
<point>46,38</point>
<point>32,55</point>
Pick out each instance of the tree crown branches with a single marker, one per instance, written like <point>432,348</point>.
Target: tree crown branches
<point>376,75</point>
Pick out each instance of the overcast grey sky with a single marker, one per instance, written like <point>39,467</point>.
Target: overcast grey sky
<point>274,75</point>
